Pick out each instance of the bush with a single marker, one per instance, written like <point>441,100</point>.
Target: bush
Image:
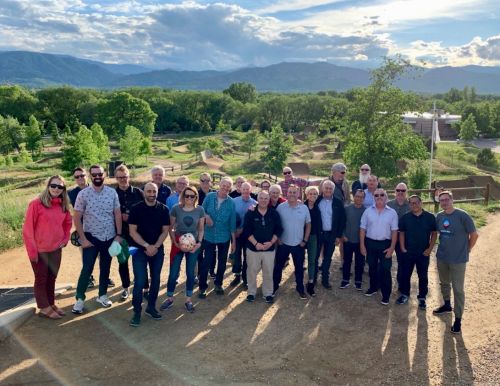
<point>486,158</point>
<point>418,174</point>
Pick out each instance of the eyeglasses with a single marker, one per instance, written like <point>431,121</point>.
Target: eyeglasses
<point>379,195</point>
<point>190,196</point>
<point>122,178</point>
<point>56,186</point>
<point>96,174</point>
<point>285,173</point>
<point>204,180</point>
<point>365,170</point>
<point>79,176</point>
<point>400,190</point>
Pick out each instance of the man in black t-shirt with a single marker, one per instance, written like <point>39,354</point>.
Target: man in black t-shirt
<point>148,224</point>
<point>417,236</point>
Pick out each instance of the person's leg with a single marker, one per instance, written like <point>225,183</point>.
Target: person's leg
<point>406,264</point>
<point>155,266</point>
<point>281,256</point>
<point>139,265</point>
<point>372,259</point>
<point>237,262</point>
<point>104,265</point>
<point>244,266</point>
<point>175,267</point>
<point>312,252</point>
<point>346,266</point>
<point>328,249</point>
<point>267,262</point>
<point>191,259</point>
<point>359,264</point>
<point>207,263</point>
<point>124,272</point>
<point>254,265</point>
<point>89,255</point>
<point>298,256</point>
<point>222,250</point>
<point>457,274</point>
<point>400,257</point>
<point>445,280</point>
<point>422,263</point>
<point>41,271</point>
<point>385,278</point>
<point>54,262</point>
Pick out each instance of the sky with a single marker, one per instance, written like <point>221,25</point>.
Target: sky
<point>224,35</point>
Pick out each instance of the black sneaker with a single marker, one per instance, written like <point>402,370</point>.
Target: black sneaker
<point>269,299</point>
<point>235,281</point>
<point>327,286</point>
<point>370,292</point>
<point>212,275</point>
<point>302,295</point>
<point>403,299</point>
<point>444,309</point>
<point>310,289</point>
<point>153,313</point>
<point>358,287</point>
<point>136,320</point>
<point>111,283</point>
<point>344,284</point>
<point>91,282</point>
<point>202,295</point>
<point>385,302</point>
<point>219,290</point>
<point>189,307</point>
<point>421,304</point>
<point>250,298</point>
<point>457,327</point>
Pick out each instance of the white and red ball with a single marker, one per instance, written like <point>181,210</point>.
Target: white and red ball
<point>187,242</point>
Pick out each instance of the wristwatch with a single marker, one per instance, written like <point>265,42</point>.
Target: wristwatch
<point>145,245</point>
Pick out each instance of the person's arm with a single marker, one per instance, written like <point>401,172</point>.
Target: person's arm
<point>307,232</point>
<point>118,224</point>
<point>172,231</point>
<point>394,238</point>
<point>201,233</point>
<point>434,236</point>
<point>67,228</point>
<point>472,240</point>
<point>402,242</point>
<point>77,221</point>
<point>29,232</point>
<point>362,247</point>
<point>162,237</point>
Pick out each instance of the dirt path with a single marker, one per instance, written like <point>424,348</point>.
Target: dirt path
<point>339,337</point>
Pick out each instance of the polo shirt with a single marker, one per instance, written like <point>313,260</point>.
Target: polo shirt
<point>379,226</point>
<point>129,197</point>
<point>263,228</point>
<point>223,216</point>
<point>293,220</point>
<point>401,210</point>
<point>417,230</point>
<point>98,209</point>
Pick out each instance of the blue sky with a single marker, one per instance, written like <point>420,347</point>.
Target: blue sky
<point>200,35</point>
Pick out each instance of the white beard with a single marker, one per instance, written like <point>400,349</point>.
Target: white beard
<point>363,178</point>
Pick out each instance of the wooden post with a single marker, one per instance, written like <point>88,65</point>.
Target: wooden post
<point>487,194</point>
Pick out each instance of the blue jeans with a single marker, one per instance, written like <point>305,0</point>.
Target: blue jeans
<point>298,256</point>
<point>210,256</point>
<point>175,268</point>
<point>89,256</point>
<point>140,262</point>
<point>326,240</point>
<point>379,266</point>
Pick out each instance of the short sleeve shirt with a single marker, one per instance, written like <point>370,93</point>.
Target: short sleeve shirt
<point>454,230</point>
<point>417,230</point>
<point>401,210</point>
<point>293,220</point>
<point>297,181</point>
<point>98,211</point>
<point>150,221</point>
<point>187,221</point>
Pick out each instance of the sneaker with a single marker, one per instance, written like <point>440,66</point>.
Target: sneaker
<point>250,298</point>
<point>358,286</point>
<point>235,281</point>
<point>385,302</point>
<point>111,283</point>
<point>91,282</point>
<point>202,295</point>
<point>457,327</point>
<point>403,299</point>
<point>275,292</point>
<point>219,290</point>
<point>153,313</point>
<point>78,307</point>
<point>444,309</point>
<point>370,292</point>
<point>212,275</point>
<point>421,304</point>
<point>125,294</point>
<point>310,289</point>
<point>145,295</point>
<point>196,280</point>
<point>245,285</point>
<point>189,307</point>
<point>327,286</point>
<point>104,301</point>
<point>302,295</point>
<point>166,304</point>
<point>269,299</point>
<point>344,284</point>
<point>136,320</point>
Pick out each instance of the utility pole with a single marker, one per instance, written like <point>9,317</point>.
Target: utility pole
<point>433,135</point>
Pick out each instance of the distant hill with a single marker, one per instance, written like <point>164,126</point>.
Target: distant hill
<point>40,70</point>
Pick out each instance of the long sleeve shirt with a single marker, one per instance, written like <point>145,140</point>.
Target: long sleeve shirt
<point>223,217</point>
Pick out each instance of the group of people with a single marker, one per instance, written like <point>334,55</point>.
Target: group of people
<point>256,231</point>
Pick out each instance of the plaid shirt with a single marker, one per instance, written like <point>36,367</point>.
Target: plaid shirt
<point>224,218</point>
<point>297,181</point>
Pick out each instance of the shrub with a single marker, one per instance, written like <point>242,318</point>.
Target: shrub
<point>486,158</point>
<point>418,174</point>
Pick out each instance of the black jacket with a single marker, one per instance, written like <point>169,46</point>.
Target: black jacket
<point>338,216</point>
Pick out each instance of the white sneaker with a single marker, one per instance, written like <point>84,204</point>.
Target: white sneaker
<point>78,307</point>
<point>125,294</point>
<point>104,301</point>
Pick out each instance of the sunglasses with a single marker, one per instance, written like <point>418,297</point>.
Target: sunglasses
<point>285,173</point>
<point>79,176</point>
<point>57,186</point>
<point>400,190</point>
<point>379,195</point>
<point>204,180</point>
<point>191,196</point>
<point>96,174</point>
<point>365,170</point>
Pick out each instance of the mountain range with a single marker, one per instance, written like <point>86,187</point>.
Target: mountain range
<point>32,69</point>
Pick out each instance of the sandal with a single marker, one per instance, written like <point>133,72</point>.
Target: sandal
<point>51,315</point>
<point>58,310</point>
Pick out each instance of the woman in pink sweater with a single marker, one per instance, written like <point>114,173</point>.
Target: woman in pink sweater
<point>46,231</point>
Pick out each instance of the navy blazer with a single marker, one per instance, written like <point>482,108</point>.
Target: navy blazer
<point>338,216</point>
